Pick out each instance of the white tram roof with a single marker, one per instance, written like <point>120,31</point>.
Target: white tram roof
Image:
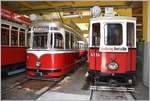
<point>47,23</point>
<point>113,18</point>
<point>54,24</point>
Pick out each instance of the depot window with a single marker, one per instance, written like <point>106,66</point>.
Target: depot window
<point>96,34</point>
<point>40,40</point>
<point>22,37</point>
<point>14,36</point>
<point>113,34</point>
<point>4,34</point>
<point>59,42</point>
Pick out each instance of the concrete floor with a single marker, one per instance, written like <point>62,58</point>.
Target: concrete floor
<point>72,87</point>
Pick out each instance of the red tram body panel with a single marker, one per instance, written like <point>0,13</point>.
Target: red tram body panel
<point>54,65</point>
<point>103,58</point>
<point>12,55</point>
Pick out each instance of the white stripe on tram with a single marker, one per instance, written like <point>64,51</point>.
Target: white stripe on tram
<point>39,53</point>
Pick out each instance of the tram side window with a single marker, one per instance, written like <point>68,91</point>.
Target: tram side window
<point>14,36</point>
<point>96,34</point>
<point>130,34</point>
<point>75,43</point>
<point>67,39</point>
<point>72,40</point>
<point>59,42</point>
<point>4,34</point>
<point>78,45</point>
<point>22,37</point>
<point>114,34</point>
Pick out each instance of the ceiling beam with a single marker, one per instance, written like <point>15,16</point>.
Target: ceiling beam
<point>68,8</point>
<point>24,3</point>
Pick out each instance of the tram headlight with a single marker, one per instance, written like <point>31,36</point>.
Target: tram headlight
<point>38,63</point>
<point>113,66</point>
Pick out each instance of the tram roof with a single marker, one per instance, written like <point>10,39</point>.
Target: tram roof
<point>113,18</point>
<point>54,24</point>
<point>47,23</point>
<point>51,24</point>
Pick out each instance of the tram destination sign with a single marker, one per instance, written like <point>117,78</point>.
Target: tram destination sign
<point>113,49</point>
<point>41,29</point>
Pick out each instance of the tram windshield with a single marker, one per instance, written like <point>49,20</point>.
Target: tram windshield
<point>40,40</point>
<point>59,41</point>
<point>113,34</point>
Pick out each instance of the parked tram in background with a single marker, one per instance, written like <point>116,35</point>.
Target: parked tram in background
<point>13,42</point>
<point>112,50</point>
<point>13,48</point>
<point>82,50</point>
<point>53,50</point>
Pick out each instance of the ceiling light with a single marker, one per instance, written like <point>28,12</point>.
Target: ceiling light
<point>83,26</point>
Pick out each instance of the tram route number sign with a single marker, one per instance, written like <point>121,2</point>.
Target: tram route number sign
<point>41,29</point>
<point>113,49</point>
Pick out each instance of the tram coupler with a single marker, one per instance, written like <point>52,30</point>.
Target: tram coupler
<point>112,88</point>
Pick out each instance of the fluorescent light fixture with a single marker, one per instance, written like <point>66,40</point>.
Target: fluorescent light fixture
<point>83,26</point>
<point>85,35</point>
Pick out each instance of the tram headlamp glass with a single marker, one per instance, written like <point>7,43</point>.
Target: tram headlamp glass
<point>38,63</point>
<point>112,66</point>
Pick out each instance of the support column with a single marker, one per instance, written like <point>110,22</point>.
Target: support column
<point>146,35</point>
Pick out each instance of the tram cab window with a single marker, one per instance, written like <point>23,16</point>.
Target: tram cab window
<point>113,34</point>
<point>4,34</point>
<point>67,40</point>
<point>22,37</point>
<point>51,40</point>
<point>96,34</point>
<point>130,34</point>
<point>40,40</point>
<point>14,36</point>
<point>59,41</point>
<point>28,40</point>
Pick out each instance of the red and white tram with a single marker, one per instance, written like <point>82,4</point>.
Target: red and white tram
<point>82,50</point>
<point>53,50</point>
<point>112,50</point>
<point>13,42</point>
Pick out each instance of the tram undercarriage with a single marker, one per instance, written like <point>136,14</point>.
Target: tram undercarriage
<point>113,79</point>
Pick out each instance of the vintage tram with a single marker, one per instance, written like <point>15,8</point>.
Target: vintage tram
<point>53,50</point>
<point>13,42</point>
<point>82,50</point>
<point>112,50</point>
